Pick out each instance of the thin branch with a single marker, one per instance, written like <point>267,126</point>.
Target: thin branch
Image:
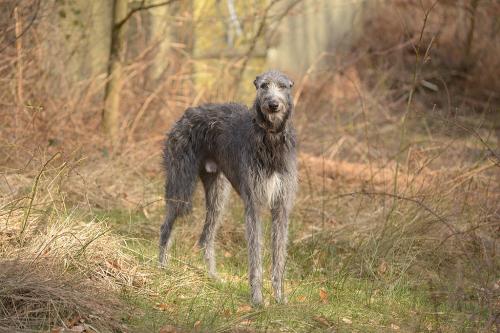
<point>19,67</point>
<point>404,198</point>
<point>25,30</point>
<point>34,191</point>
<point>141,7</point>
<point>258,34</point>
<point>495,156</point>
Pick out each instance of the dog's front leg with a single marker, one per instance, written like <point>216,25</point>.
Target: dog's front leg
<point>279,241</point>
<point>254,242</point>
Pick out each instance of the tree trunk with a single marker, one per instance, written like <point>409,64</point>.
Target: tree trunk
<point>318,30</point>
<point>99,37</point>
<point>159,29</point>
<point>468,60</point>
<point>115,72</point>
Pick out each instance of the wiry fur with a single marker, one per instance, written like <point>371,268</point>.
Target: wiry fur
<point>254,151</point>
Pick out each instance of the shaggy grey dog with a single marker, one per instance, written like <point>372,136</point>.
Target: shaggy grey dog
<point>254,151</point>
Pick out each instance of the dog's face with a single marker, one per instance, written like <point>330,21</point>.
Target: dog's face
<point>274,96</point>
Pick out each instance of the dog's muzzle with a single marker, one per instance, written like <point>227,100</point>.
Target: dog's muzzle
<point>273,106</point>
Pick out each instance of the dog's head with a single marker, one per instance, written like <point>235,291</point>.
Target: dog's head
<point>274,99</point>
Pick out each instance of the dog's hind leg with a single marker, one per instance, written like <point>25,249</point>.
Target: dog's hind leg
<point>216,193</point>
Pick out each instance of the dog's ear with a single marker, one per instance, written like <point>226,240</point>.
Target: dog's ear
<point>256,82</point>
<point>290,83</point>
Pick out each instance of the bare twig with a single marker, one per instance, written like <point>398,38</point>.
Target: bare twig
<point>31,22</point>
<point>470,33</point>
<point>34,191</point>
<point>416,72</point>
<point>258,34</point>
<point>19,46</point>
<point>143,6</point>
<point>404,198</point>
<point>19,67</point>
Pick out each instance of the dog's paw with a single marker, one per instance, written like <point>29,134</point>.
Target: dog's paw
<point>162,262</point>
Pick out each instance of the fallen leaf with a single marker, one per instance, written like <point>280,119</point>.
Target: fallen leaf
<point>301,298</point>
<point>347,320</point>
<point>72,322</point>
<point>163,306</point>
<point>244,308</point>
<point>322,320</point>
<point>227,254</point>
<point>113,264</point>
<point>395,327</point>
<point>197,324</point>
<point>496,285</point>
<point>74,329</point>
<point>78,329</point>
<point>323,295</point>
<point>382,268</point>
<point>169,329</point>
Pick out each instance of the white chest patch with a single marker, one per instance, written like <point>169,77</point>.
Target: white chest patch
<point>272,187</point>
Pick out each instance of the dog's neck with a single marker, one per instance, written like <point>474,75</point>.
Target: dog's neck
<point>261,120</point>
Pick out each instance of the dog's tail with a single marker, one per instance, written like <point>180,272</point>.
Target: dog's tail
<point>182,162</point>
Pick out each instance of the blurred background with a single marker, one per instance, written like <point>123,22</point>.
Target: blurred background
<point>143,62</point>
<point>398,117</point>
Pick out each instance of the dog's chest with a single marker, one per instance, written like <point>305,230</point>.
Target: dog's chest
<point>271,188</point>
<point>272,153</point>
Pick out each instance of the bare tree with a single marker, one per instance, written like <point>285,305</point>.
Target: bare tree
<point>121,15</point>
<point>115,70</point>
<point>159,29</point>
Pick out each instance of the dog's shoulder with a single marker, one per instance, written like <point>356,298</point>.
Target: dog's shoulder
<point>226,108</point>
<point>215,111</point>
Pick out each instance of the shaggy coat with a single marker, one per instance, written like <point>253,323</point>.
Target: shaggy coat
<point>254,150</point>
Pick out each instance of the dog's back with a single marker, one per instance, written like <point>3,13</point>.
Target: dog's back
<point>195,142</point>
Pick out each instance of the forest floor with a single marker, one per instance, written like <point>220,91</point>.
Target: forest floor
<point>395,227</point>
<point>377,243</point>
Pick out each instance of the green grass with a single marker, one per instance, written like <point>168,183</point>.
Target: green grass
<point>327,290</point>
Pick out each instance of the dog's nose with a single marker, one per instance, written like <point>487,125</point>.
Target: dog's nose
<point>273,105</point>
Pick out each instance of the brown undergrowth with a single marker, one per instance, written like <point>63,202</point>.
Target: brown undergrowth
<point>59,268</point>
<point>418,210</point>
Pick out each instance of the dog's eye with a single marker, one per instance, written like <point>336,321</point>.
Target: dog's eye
<point>282,86</point>
<point>264,85</point>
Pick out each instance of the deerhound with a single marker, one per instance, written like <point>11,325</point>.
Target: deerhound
<point>251,149</point>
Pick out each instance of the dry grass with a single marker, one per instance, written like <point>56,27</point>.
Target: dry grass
<point>397,230</point>
<point>40,295</point>
<point>58,269</point>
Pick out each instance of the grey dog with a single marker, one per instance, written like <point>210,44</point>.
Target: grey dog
<point>254,150</point>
